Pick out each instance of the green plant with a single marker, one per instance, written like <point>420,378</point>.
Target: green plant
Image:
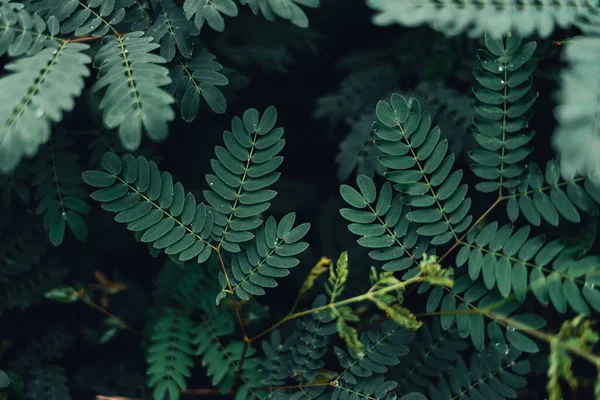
<point>449,204</point>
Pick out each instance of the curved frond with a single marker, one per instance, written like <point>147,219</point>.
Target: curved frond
<point>537,202</point>
<point>268,257</point>
<point>503,101</point>
<point>430,355</point>
<point>383,226</point>
<point>81,18</point>
<point>286,9</point>
<point>474,17</point>
<point>210,11</point>
<point>170,354</point>
<point>515,263</point>
<point>133,79</point>
<point>152,206</point>
<point>172,30</point>
<point>244,170</point>
<point>59,192</point>
<point>36,93</point>
<point>490,374</point>
<point>222,361</point>
<point>375,388</point>
<point>383,345</point>
<point>577,138</point>
<point>198,78</point>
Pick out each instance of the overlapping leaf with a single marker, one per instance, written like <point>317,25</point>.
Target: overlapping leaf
<point>60,193</point>
<point>383,226</point>
<point>133,79</point>
<point>93,17</point>
<point>35,94</point>
<point>504,98</point>
<point>420,167</point>
<point>286,9</point>
<point>210,11</point>
<point>268,257</point>
<point>515,263</point>
<point>172,30</point>
<point>538,202</point>
<point>244,169</point>
<point>490,374</point>
<point>24,33</point>
<point>151,205</point>
<point>198,78</point>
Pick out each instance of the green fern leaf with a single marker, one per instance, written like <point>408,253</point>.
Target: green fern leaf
<point>36,94</point>
<point>490,373</point>
<point>48,383</point>
<point>556,199</point>
<point>23,33</point>
<point>59,191</point>
<point>286,9</point>
<point>375,388</point>
<point>504,102</point>
<point>198,78</point>
<point>576,138</point>
<point>244,169</point>
<point>95,18</point>
<point>515,263</point>
<point>170,354</point>
<point>150,204</point>
<point>383,345</point>
<point>210,11</point>
<point>133,80</point>
<point>268,257</point>
<point>474,17</point>
<point>172,30</point>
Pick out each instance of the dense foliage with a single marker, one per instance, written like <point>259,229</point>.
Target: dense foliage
<point>393,227</point>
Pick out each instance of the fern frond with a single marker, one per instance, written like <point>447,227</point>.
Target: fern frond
<point>133,80</point>
<point>59,191</point>
<point>537,201</point>
<point>196,78</point>
<point>420,167</point>
<point>95,18</point>
<point>48,383</point>
<point>172,30</point>
<point>383,345</point>
<point>276,368</point>
<point>23,33</point>
<point>577,137</point>
<point>429,356</point>
<point>383,226</point>
<point>504,102</point>
<point>451,110</point>
<point>209,11</point>
<point>170,354</point>
<point>268,257</point>
<point>51,345</point>
<point>373,388</point>
<point>222,362</point>
<point>244,170</point>
<point>474,17</point>
<point>286,9</point>
<point>36,93</point>
<point>515,263</point>
<point>149,203</point>
<point>490,374</point>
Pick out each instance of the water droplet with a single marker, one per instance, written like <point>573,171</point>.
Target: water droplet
<point>64,215</point>
<point>39,112</point>
<point>126,51</point>
<point>500,68</point>
<point>506,351</point>
<point>502,81</point>
<point>212,183</point>
<point>511,65</point>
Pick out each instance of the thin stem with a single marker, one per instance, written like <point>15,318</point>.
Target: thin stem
<point>236,306</point>
<point>104,311</point>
